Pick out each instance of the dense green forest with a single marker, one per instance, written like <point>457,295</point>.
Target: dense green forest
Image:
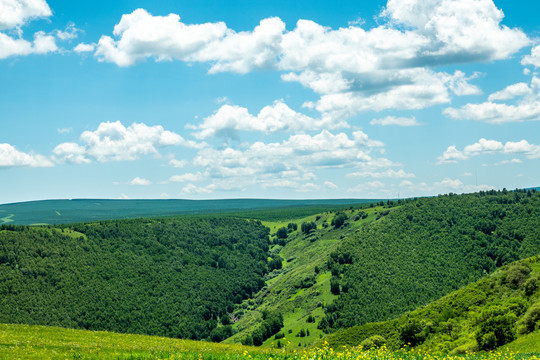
<point>425,249</point>
<point>484,315</point>
<point>171,277</point>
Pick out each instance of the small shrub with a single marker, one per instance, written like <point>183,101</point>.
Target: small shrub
<point>292,226</point>
<point>334,286</point>
<point>281,233</point>
<point>411,333</point>
<point>530,320</point>
<point>339,220</point>
<point>374,341</point>
<point>516,275</point>
<point>530,286</point>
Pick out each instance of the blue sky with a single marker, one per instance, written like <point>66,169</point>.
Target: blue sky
<point>281,99</point>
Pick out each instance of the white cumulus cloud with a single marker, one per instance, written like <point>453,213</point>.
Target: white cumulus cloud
<point>486,147</point>
<point>112,141</point>
<point>84,48</point>
<point>534,58</point>
<point>187,177</point>
<point>525,105</point>
<point>71,153</point>
<point>140,181</point>
<point>354,69</point>
<point>15,13</point>
<point>11,157</point>
<point>229,119</point>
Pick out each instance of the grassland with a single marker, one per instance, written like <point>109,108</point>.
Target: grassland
<point>40,342</point>
<point>82,210</point>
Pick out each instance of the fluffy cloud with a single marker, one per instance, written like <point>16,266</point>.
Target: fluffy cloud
<point>140,182</point>
<point>244,51</point>
<point>177,163</point>
<point>330,185</point>
<point>84,48</point>
<point>11,157</point>
<point>142,35</point>
<point>15,13</point>
<point>112,141</point>
<point>71,153</point>
<point>354,69</point>
<point>392,89</point>
<point>191,189</point>
<point>510,92</point>
<point>230,119</point>
<point>459,30</point>
<point>392,120</point>
<point>292,159</point>
<point>187,177</point>
<point>42,44</point>
<point>534,58</point>
<point>483,147</point>
<point>441,32</point>
<point>525,108</point>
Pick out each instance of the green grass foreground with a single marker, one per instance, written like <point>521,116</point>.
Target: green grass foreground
<point>41,342</point>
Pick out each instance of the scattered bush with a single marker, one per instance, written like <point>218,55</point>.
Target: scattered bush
<point>530,321</point>
<point>411,333</point>
<point>339,220</point>
<point>308,226</point>
<point>281,233</point>
<point>292,226</point>
<point>496,331</point>
<point>374,341</point>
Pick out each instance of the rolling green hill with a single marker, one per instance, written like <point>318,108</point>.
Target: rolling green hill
<point>502,308</point>
<point>427,248</point>
<point>81,210</point>
<point>324,268</point>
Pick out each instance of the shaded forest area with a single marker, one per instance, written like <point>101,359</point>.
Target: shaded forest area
<point>170,277</point>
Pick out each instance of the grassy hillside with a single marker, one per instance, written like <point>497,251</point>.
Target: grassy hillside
<point>427,248</point>
<point>301,288</point>
<point>81,210</point>
<point>169,277</point>
<point>503,307</point>
<point>43,343</point>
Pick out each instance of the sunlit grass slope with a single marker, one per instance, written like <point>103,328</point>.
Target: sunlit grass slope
<point>300,290</point>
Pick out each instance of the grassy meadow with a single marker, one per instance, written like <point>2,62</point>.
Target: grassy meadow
<point>41,342</point>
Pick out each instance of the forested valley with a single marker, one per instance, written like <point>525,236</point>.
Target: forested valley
<point>173,277</point>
